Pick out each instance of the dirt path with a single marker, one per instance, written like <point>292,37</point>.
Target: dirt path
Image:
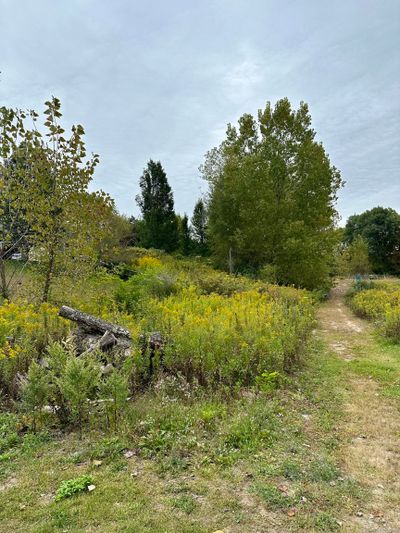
<point>371,423</point>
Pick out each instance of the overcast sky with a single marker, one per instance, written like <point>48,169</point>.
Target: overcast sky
<point>161,79</point>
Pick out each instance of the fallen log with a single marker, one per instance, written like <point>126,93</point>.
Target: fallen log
<point>115,342</point>
<point>92,324</point>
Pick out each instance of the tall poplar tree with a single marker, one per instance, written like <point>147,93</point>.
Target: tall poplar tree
<point>159,228</point>
<point>272,196</point>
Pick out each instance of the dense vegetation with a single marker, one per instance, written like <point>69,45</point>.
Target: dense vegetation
<point>228,392</point>
<point>380,230</point>
<point>219,330</point>
<point>380,302</point>
<point>272,197</point>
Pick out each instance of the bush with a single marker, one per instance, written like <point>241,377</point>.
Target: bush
<point>391,325</point>
<point>210,281</point>
<point>77,384</point>
<point>25,331</point>
<point>114,391</point>
<point>217,339</point>
<point>381,303</point>
<point>35,392</point>
<point>73,387</point>
<point>151,283</point>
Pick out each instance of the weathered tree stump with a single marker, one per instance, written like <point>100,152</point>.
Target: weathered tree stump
<point>152,346</point>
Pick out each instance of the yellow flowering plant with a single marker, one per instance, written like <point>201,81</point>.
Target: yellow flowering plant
<point>231,340</point>
<point>381,303</point>
<point>25,331</point>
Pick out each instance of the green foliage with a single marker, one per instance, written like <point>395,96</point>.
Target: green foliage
<point>221,331</point>
<point>119,237</point>
<point>391,326</point>
<point>233,340</point>
<point>212,281</point>
<point>114,391</point>
<point>184,236</point>
<point>35,391</point>
<point>248,430</point>
<point>73,486</point>
<point>159,228</point>
<point>56,360</point>
<point>25,331</point>
<point>211,413</point>
<point>356,257</point>
<point>8,432</point>
<point>379,301</point>
<point>77,384</point>
<point>14,229</point>
<point>150,283</point>
<point>272,198</point>
<point>107,448</point>
<point>270,381</point>
<point>199,223</point>
<point>380,229</point>
<point>66,221</point>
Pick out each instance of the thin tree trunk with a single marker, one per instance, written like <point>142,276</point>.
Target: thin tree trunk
<point>230,262</point>
<point>3,279</point>
<point>48,276</point>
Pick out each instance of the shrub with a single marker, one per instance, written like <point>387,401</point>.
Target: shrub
<point>211,281</point>
<point>391,325</point>
<point>150,283</point>
<point>380,303</point>
<point>35,392</point>
<point>55,363</point>
<point>73,486</point>
<point>25,331</point>
<point>77,384</point>
<point>114,391</point>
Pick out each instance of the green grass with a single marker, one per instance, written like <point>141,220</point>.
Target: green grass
<point>380,361</point>
<point>202,461</point>
<point>199,464</point>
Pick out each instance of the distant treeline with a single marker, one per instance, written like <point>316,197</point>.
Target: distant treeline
<point>270,211</point>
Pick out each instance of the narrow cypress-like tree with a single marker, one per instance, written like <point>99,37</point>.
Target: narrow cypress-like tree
<point>199,226</point>
<point>186,241</point>
<point>156,201</point>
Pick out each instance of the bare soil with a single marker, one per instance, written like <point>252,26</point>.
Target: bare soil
<point>371,424</point>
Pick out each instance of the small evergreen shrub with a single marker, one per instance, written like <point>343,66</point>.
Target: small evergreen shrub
<point>35,392</point>
<point>77,384</point>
